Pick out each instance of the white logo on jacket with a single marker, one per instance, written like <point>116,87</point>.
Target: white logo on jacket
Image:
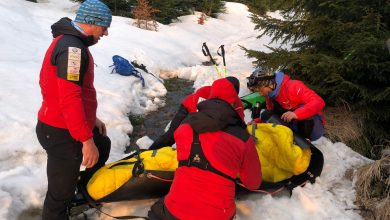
<point>74,63</point>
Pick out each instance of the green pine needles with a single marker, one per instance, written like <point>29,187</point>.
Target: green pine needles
<point>168,10</point>
<point>338,47</point>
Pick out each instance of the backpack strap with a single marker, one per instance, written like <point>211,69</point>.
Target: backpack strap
<point>199,160</point>
<point>137,74</point>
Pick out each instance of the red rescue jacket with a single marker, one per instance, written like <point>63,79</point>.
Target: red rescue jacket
<point>199,95</point>
<point>66,81</point>
<point>295,96</point>
<point>202,194</point>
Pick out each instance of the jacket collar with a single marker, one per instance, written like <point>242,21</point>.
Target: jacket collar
<point>64,27</point>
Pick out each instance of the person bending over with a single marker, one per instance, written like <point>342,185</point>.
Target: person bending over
<point>291,100</point>
<point>188,105</point>
<point>213,149</point>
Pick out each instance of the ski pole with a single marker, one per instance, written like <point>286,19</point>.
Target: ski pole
<point>222,54</point>
<point>143,67</point>
<point>206,52</point>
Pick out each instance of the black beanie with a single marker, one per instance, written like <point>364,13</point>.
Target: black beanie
<point>235,83</point>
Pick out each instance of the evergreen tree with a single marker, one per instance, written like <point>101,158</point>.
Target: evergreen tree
<point>339,48</point>
<point>169,10</point>
<point>119,7</point>
<point>260,7</point>
<point>209,7</point>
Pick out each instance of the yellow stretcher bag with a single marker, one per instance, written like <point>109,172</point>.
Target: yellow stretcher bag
<point>149,173</point>
<point>280,158</point>
<point>128,175</point>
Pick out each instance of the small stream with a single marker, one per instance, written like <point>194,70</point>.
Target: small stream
<point>154,123</point>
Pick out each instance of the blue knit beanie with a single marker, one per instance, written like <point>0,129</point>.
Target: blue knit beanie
<point>94,12</point>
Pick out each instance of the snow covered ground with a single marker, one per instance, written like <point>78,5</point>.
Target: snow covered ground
<point>175,50</point>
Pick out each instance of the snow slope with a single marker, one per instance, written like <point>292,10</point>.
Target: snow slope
<point>175,50</point>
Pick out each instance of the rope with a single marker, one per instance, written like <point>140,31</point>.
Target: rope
<point>150,175</point>
<point>273,192</point>
<point>264,191</point>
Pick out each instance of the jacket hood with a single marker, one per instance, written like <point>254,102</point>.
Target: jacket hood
<point>280,77</point>
<point>213,115</point>
<point>192,100</point>
<point>64,26</point>
<point>227,89</point>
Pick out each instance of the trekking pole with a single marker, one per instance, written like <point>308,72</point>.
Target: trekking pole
<point>222,54</point>
<point>206,52</point>
<point>143,67</point>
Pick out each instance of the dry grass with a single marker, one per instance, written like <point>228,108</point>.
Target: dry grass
<point>373,187</point>
<point>342,124</point>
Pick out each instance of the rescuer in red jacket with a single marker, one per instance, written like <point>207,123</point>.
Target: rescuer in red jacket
<point>213,149</point>
<point>292,100</point>
<point>188,105</point>
<point>68,128</point>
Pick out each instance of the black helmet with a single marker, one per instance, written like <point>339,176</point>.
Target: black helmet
<point>260,77</point>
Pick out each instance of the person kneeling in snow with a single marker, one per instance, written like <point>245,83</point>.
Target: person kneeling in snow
<point>188,105</point>
<point>213,148</point>
<point>291,100</point>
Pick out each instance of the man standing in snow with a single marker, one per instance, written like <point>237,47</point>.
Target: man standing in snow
<point>68,128</point>
<point>292,100</point>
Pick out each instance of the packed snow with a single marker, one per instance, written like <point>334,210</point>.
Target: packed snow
<point>173,51</point>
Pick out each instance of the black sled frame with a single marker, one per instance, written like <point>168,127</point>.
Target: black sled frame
<point>143,183</point>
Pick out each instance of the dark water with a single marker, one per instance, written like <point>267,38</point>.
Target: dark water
<point>30,214</point>
<point>154,123</point>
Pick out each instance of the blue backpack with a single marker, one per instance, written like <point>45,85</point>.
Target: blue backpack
<point>123,67</point>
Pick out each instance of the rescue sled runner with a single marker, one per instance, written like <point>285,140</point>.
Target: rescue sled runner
<point>148,174</point>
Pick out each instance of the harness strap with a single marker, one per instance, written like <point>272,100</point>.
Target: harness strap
<point>199,160</point>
